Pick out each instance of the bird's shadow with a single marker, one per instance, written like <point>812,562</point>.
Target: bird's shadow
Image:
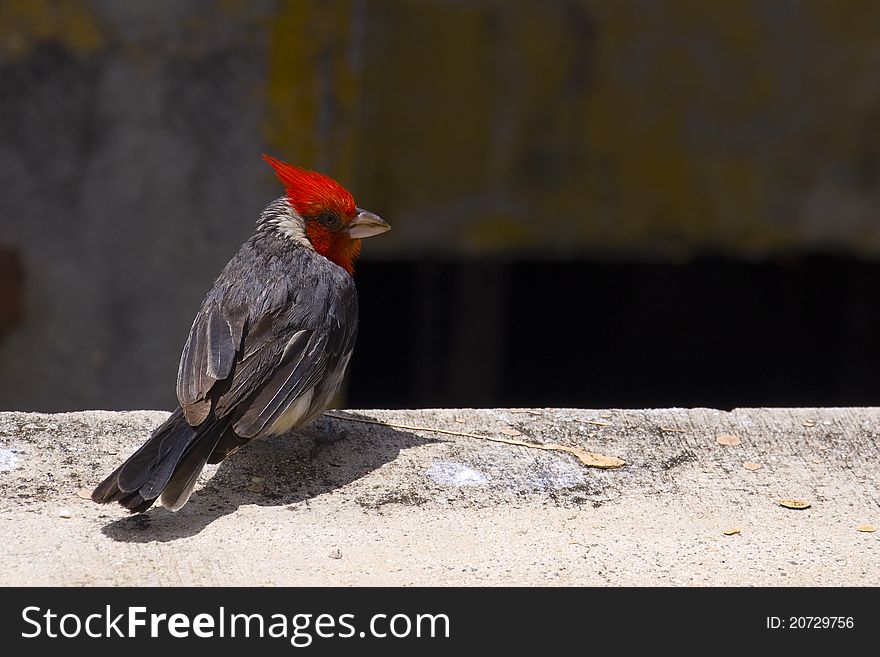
<point>276,471</point>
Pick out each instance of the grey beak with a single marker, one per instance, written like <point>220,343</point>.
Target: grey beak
<point>367,224</point>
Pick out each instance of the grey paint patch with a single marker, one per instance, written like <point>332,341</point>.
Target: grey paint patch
<point>7,460</point>
<point>558,475</point>
<point>456,474</point>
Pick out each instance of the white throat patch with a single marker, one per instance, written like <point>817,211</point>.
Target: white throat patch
<point>280,216</point>
<point>293,229</point>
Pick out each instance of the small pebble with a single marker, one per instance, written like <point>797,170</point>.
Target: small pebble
<point>64,513</point>
<point>336,554</point>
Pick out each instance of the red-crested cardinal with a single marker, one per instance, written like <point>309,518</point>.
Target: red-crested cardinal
<point>268,349</point>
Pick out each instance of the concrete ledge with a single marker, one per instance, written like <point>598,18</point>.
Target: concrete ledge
<point>355,503</point>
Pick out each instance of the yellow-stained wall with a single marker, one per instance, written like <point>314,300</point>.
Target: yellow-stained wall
<point>658,129</point>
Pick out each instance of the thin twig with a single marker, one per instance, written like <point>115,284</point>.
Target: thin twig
<point>590,459</point>
<point>413,428</point>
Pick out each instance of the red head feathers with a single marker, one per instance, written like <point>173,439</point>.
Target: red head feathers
<point>311,193</point>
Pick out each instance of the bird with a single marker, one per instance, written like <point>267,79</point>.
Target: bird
<point>268,349</point>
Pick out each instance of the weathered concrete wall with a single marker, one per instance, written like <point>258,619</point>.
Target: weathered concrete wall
<point>367,504</point>
<point>130,173</point>
<point>130,135</point>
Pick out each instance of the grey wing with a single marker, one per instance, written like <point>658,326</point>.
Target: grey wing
<point>208,356</point>
<point>254,368</point>
<point>310,360</point>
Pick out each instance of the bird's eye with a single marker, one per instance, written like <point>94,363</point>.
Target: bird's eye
<point>329,219</point>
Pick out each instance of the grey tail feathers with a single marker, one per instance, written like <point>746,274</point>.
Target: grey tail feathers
<point>165,467</point>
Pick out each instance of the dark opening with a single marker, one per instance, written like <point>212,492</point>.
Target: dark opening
<point>716,332</point>
<point>11,289</point>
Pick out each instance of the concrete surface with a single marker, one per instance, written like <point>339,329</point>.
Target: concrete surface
<point>359,504</point>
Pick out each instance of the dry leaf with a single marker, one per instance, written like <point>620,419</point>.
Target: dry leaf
<point>460,420</point>
<point>590,459</point>
<point>809,423</point>
<point>85,494</point>
<point>748,465</point>
<point>728,439</point>
<point>866,528</point>
<point>794,504</point>
<point>511,432</point>
<point>731,531</point>
<point>605,415</point>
